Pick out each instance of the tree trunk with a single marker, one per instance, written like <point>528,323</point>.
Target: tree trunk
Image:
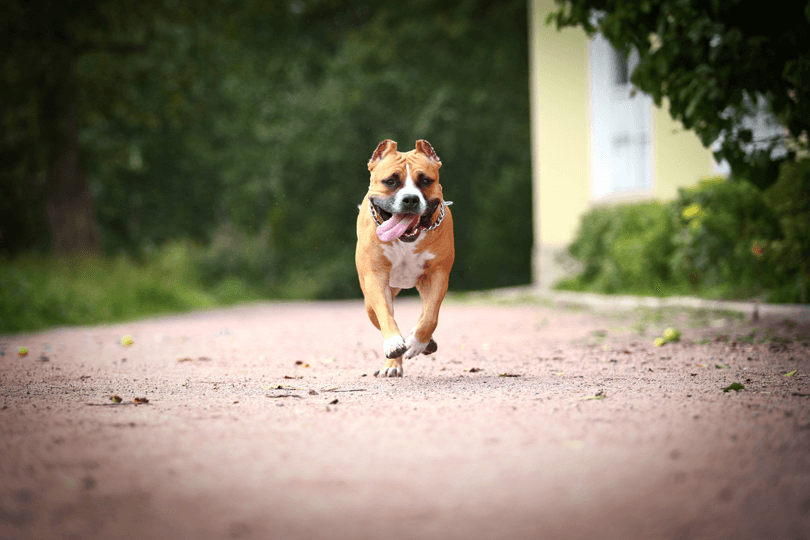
<point>72,221</point>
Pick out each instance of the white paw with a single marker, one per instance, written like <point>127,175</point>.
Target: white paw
<point>415,347</point>
<point>393,371</point>
<point>394,347</point>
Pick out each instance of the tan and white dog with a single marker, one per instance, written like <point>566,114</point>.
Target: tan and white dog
<point>404,240</point>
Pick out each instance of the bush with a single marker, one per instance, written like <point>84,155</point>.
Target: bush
<point>722,227</point>
<point>789,251</point>
<point>238,265</point>
<point>719,239</point>
<point>624,249</point>
<point>38,292</point>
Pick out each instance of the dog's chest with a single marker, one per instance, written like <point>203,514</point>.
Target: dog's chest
<point>406,264</point>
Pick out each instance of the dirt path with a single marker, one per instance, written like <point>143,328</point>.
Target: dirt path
<point>273,427</point>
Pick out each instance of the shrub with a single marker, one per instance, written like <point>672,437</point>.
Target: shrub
<point>719,239</point>
<point>38,292</point>
<point>722,228</point>
<point>238,265</point>
<point>789,252</point>
<point>624,249</point>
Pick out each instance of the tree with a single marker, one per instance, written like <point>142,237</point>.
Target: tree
<point>260,116</point>
<point>715,61</point>
<point>68,67</point>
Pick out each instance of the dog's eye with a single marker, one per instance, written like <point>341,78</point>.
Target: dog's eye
<point>424,181</point>
<point>391,181</point>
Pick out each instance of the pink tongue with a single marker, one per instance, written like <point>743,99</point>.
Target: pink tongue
<point>396,226</point>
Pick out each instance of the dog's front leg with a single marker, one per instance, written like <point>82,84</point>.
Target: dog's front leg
<point>380,308</point>
<point>432,288</point>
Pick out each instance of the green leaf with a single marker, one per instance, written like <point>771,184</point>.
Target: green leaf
<point>791,374</point>
<point>721,366</point>
<point>734,386</point>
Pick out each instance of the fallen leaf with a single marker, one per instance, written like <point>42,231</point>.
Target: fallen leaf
<point>334,402</point>
<point>293,376</point>
<point>734,386</point>
<point>126,341</point>
<point>140,400</point>
<point>442,368</point>
<point>22,351</point>
<point>116,399</point>
<point>509,375</point>
<point>559,373</point>
<point>298,362</point>
<point>721,366</point>
<point>791,374</point>
<point>313,393</point>
<point>186,359</point>
<point>473,369</point>
<point>599,395</point>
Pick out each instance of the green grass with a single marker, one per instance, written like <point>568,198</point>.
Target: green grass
<point>38,292</point>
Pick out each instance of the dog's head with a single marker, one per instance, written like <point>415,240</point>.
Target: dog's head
<point>404,190</point>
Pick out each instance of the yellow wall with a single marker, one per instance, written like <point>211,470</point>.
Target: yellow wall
<point>679,158</point>
<point>560,127</point>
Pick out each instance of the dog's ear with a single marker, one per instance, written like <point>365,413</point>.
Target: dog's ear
<point>423,147</point>
<point>383,149</point>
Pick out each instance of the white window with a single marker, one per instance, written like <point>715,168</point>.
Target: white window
<point>620,123</point>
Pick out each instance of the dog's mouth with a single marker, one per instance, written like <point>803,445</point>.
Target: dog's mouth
<point>405,227</point>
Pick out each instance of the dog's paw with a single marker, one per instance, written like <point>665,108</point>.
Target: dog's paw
<point>392,368</point>
<point>394,347</point>
<point>415,347</point>
<point>431,348</point>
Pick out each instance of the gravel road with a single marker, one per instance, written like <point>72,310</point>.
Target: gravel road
<point>531,421</point>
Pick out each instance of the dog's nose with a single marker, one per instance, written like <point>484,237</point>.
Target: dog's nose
<point>410,202</point>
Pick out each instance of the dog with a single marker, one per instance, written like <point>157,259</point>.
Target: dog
<point>404,240</point>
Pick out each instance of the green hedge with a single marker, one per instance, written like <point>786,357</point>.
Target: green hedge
<point>720,239</point>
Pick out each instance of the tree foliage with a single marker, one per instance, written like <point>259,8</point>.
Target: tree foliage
<point>715,61</point>
<point>194,117</point>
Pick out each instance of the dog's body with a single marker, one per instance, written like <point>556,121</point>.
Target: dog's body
<point>404,240</point>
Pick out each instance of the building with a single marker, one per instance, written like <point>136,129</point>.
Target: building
<point>594,139</point>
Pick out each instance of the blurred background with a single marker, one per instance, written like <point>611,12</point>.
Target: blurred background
<point>183,154</point>
<point>166,155</point>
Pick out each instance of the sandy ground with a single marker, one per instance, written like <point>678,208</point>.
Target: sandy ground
<point>530,421</point>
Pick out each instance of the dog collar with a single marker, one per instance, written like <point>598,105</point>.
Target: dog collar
<point>379,222</point>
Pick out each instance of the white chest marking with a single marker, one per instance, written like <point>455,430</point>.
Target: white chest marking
<point>406,265</point>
